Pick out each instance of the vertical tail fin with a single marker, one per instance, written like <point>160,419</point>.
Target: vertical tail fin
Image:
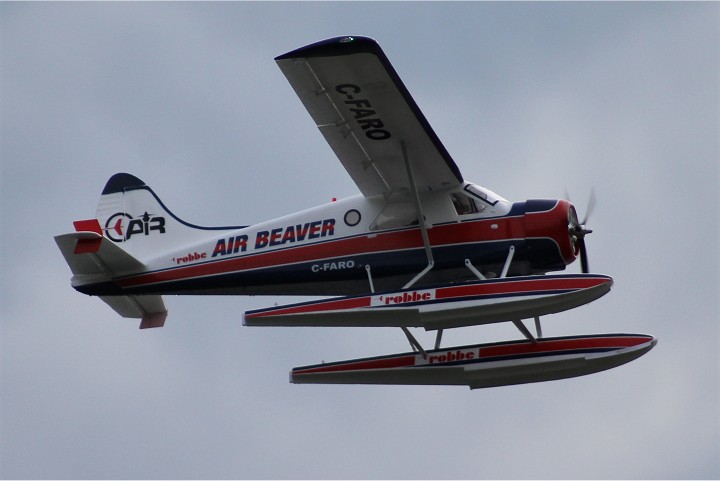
<point>133,216</point>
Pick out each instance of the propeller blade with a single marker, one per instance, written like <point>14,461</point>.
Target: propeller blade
<point>579,230</point>
<point>584,264</point>
<point>592,201</point>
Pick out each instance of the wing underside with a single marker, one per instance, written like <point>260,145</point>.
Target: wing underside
<point>368,117</point>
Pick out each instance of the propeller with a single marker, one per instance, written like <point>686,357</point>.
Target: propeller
<point>578,230</point>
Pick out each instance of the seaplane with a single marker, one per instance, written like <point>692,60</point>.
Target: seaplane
<point>418,247</point>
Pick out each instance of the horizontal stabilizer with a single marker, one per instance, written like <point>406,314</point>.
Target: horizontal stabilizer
<point>443,307</point>
<point>102,264</point>
<point>151,309</point>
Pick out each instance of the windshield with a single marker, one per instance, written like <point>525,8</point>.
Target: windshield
<point>487,196</point>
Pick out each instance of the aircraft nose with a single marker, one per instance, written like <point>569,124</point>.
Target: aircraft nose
<point>577,230</point>
<point>555,220</point>
<point>574,231</point>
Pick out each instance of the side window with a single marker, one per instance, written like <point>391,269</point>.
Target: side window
<point>395,215</point>
<point>463,204</point>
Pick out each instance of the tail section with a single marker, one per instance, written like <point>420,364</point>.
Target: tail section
<point>132,227</point>
<point>133,216</point>
<point>95,260</point>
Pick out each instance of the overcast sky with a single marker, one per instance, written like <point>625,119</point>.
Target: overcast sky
<point>531,100</point>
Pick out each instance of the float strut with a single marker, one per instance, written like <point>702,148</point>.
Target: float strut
<point>413,342</point>
<point>438,338</point>
<point>521,327</point>
<point>474,270</point>
<point>538,327</point>
<point>510,255</point>
<point>369,274</point>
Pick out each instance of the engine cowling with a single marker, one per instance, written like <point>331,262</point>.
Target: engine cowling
<point>550,223</point>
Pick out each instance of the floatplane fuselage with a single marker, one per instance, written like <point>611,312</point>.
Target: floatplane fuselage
<point>331,249</point>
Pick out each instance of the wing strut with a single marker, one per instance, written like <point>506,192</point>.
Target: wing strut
<point>426,241</point>
<point>421,219</point>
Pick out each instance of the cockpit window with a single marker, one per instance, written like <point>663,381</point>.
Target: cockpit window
<point>485,196</point>
<point>464,205</point>
<point>394,215</point>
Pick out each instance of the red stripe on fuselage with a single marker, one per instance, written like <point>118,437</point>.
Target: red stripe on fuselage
<point>469,232</point>
<point>445,235</point>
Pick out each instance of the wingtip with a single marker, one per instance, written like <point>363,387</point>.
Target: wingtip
<point>334,46</point>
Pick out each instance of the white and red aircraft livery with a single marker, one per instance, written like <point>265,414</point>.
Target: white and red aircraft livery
<point>418,247</point>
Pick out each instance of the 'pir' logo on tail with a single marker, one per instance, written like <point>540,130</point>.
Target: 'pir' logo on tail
<point>122,226</point>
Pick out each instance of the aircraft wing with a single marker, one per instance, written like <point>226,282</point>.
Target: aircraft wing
<point>368,117</point>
